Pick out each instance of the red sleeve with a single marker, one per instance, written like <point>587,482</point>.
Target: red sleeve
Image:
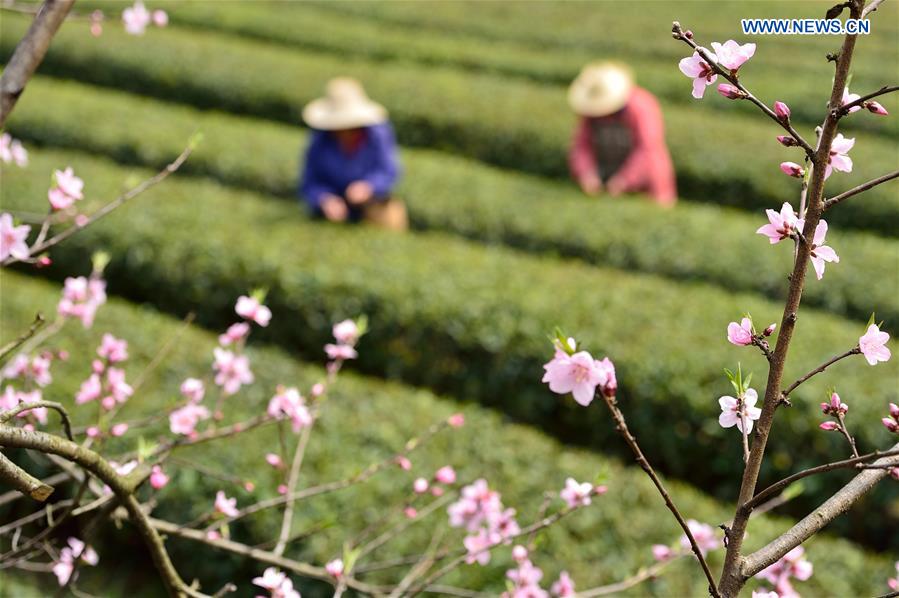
<point>581,160</point>
<point>648,168</point>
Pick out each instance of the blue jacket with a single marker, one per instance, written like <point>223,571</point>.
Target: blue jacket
<point>328,169</point>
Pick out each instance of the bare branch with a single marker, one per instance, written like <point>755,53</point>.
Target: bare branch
<point>836,505</point>
<point>829,203</point>
<point>5,416</point>
<point>645,574</point>
<point>7,349</point>
<point>854,351</point>
<point>30,52</point>
<point>23,481</point>
<point>873,6</point>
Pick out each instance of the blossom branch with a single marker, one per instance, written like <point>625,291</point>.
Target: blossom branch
<point>11,346</point>
<point>678,33</point>
<point>292,481</point>
<point>776,487</point>
<point>854,351</point>
<point>815,521</point>
<point>829,203</point>
<point>844,109</point>
<point>30,52</point>
<point>644,574</point>
<point>644,463</point>
<point>39,248</point>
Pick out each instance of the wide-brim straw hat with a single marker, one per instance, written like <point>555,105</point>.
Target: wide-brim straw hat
<point>345,106</point>
<point>601,89</point>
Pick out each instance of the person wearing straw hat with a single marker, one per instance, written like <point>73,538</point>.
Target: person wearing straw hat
<point>619,143</point>
<point>351,164</point>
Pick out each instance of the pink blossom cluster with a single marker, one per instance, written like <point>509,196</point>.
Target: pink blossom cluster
<point>288,402</point>
<point>11,398</point>
<point>524,579</point>
<point>136,18</point>
<point>705,537</point>
<point>12,150</point>
<point>873,345</point>
<point>106,381</point>
<point>35,370</point>
<point>892,422</point>
<point>347,334</point>
<point>232,371</point>
<point>184,420</point>
<point>742,334</point>
<point>836,408</point>
<point>65,566</point>
<point>224,505</point>
<point>81,297</point>
<point>480,511</point>
<point>444,476</point>
<point>578,373</point>
<point>577,494</point>
<point>66,190</point>
<point>276,582</point>
<point>786,224</point>
<point>789,566</point>
<point>729,55</point>
<point>251,309</point>
<point>13,239</point>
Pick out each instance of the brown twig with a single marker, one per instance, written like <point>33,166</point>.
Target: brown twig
<point>844,109</point>
<point>7,349</point>
<point>30,52</point>
<point>292,481</point>
<point>23,481</point>
<point>820,369</point>
<point>829,203</point>
<point>650,572</point>
<point>5,416</point>
<point>621,425</point>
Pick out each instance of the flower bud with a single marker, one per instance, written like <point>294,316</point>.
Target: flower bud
<point>781,110</point>
<point>43,261</point>
<point>876,108</point>
<point>119,429</point>
<point>158,478</point>
<point>274,460</point>
<point>420,486</point>
<point>688,34</point>
<point>792,169</point>
<point>787,141</point>
<point>894,473</point>
<point>829,426</point>
<point>282,489</point>
<point>890,424</point>
<point>456,420</point>
<point>660,552</point>
<point>92,432</point>
<point>894,411</point>
<point>731,92</point>
<point>404,463</point>
<point>519,553</point>
<point>769,330</point>
<point>410,512</point>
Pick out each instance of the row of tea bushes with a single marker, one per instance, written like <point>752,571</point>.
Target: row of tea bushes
<point>479,202</point>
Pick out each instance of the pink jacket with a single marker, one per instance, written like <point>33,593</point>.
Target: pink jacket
<point>648,166</point>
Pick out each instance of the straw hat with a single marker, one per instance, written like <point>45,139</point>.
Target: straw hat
<point>601,89</point>
<point>345,106</point>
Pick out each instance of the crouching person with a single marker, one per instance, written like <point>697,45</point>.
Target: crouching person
<point>619,143</point>
<point>351,163</point>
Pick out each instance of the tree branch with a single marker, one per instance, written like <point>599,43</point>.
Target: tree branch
<point>863,187</point>
<point>836,505</point>
<point>30,53</point>
<point>854,351</point>
<point>23,481</point>
<point>844,110</point>
<point>8,348</point>
<point>873,6</point>
<point>5,416</point>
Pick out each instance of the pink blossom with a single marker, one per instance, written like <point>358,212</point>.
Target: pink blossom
<point>93,432</point>
<point>848,98</point>
<point>420,486</point>
<point>769,330</point>
<point>193,389</point>
<point>892,422</point>
<point>233,371</point>
<point>765,593</point>
<point>731,92</point>
<point>457,420</point>
<point>839,159</point>
<point>346,332</point>
<point>876,108</point>
<point>446,475</point>
<point>335,568</point>
<point>115,380</point>
<point>835,406</point>
<point>249,308</point>
<point>564,587</point>
<point>700,71</point>
<point>822,253</point>
<point>781,110</point>
<point>410,512</point>
<point>731,411</point>
<point>36,370</point>
<point>578,374</point>
<point>81,297</point>
<point>703,534</point>
<point>119,429</point>
<point>96,20</point>
<point>160,18</point>
<point>90,390</point>
<point>519,553</point>
<point>274,460</point>
<point>787,141</point>
<point>317,390</point>
<point>894,473</point>
<point>184,420</point>
<point>271,579</point>
<point>12,150</point>
<point>576,494</point>
<point>873,345</point>
<point>525,581</point>
<point>732,55</point>
<point>660,552</point>
<point>282,489</point>
<point>112,349</point>
<point>340,352</point>
<point>437,490</point>
<point>829,426</point>
<point>76,549</point>
<point>740,334</point>
<point>780,226</point>
<point>67,189</point>
<point>289,402</point>
<point>158,478</point>
<point>9,399</point>
<point>404,463</point>
<point>790,565</point>
<point>136,18</point>
<point>792,169</point>
<point>893,583</point>
<point>13,238</point>
<point>478,546</point>
<point>234,334</point>
<point>477,506</point>
<point>224,505</point>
